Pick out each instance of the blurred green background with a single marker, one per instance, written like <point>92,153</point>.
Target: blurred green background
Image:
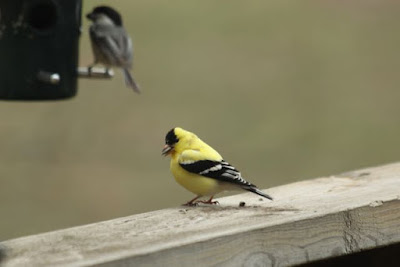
<point>285,90</point>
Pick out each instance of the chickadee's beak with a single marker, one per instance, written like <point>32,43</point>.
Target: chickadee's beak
<point>166,150</point>
<point>90,16</point>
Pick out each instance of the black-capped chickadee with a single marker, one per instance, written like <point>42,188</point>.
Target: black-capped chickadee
<point>111,44</point>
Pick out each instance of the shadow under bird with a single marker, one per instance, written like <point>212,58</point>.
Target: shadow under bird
<point>200,169</point>
<point>111,44</point>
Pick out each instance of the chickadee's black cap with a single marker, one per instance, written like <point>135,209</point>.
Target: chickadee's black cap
<point>109,12</point>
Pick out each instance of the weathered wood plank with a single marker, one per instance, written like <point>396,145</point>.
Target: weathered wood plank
<point>308,220</point>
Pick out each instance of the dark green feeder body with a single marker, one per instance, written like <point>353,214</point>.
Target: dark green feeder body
<point>39,38</point>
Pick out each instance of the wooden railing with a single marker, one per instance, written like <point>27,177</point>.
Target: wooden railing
<point>309,220</point>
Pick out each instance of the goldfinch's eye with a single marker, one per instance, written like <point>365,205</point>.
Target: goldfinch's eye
<point>171,138</point>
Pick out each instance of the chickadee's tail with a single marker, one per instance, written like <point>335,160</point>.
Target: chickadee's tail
<point>257,191</point>
<point>130,82</point>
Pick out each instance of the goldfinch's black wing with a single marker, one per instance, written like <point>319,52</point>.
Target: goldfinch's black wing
<point>221,171</point>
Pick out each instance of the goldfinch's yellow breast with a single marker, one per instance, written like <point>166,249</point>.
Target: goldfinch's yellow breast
<point>199,185</point>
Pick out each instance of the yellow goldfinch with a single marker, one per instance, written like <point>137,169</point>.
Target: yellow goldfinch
<point>200,169</point>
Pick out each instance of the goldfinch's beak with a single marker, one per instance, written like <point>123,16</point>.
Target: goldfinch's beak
<point>166,150</point>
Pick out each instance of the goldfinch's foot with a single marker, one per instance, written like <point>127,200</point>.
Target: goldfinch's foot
<point>196,203</point>
<point>191,204</point>
<point>210,202</point>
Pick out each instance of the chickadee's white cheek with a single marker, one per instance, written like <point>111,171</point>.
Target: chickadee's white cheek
<point>104,20</point>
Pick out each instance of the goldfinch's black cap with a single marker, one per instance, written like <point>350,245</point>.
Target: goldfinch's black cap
<point>109,12</point>
<point>171,138</point>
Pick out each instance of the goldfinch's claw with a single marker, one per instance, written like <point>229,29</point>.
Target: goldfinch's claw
<point>191,204</point>
<point>210,202</point>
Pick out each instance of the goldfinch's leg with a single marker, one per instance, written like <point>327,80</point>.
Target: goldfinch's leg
<point>210,201</point>
<point>191,202</point>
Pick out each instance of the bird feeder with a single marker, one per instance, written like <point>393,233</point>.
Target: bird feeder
<point>39,44</point>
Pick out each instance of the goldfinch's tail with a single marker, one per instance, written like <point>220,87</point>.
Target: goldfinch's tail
<point>257,191</point>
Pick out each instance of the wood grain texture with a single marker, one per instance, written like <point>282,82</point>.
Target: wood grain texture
<point>309,220</point>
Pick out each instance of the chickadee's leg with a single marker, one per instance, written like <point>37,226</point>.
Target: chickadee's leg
<point>109,71</point>
<point>191,202</point>
<point>90,67</point>
<point>210,201</point>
